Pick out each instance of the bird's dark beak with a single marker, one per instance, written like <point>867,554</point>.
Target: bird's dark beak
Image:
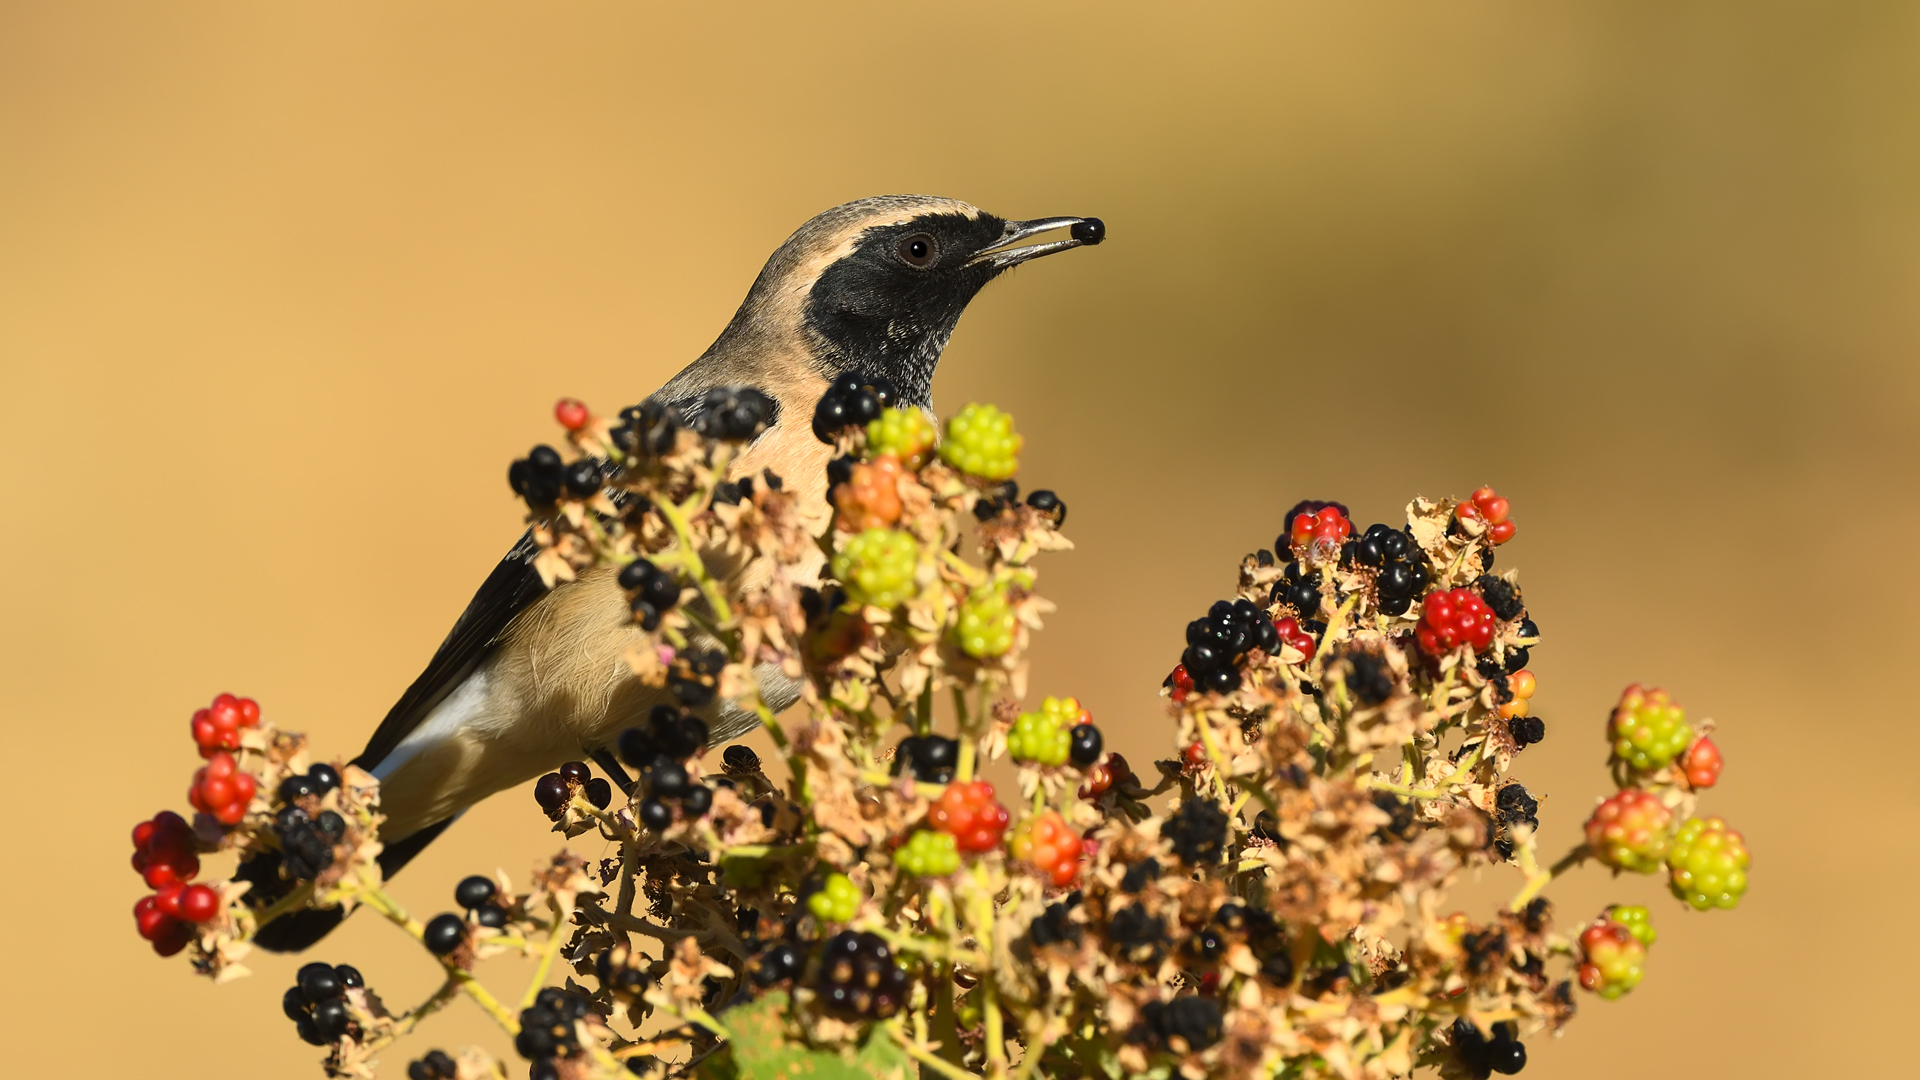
<point>1007,252</point>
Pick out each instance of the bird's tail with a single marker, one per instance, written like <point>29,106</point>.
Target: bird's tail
<point>298,930</point>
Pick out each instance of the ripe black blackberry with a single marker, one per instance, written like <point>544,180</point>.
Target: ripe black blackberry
<point>1139,876</point>
<point>694,676</point>
<point>1298,589</point>
<point>1218,643</point>
<point>435,1066</point>
<point>859,976</point>
<point>779,963</point>
<point>1512,806</point>
<point>1184,1025</point>
<point>1198,831</point>
<point>317,780</point>
<point>1055,925</point>
<point>1527,730</point>
<point>733,413</point>
<point>658,751</point>
<point>1086,745</point>
<point>740,760</point>
<point>444,933</point>
<point>317,1004</point>
<point>1208,944</point>
<point>546,1027</point>
<point>1369,677</point>
<point>307,841</point>
<point>996,500</point>
<point>853,399</point>
<point>1138,936</point>
<point>652,592</point>
<point>648,429</point>
<point>620,974</point>
<point>1403,568</point>
<point>1501,595</point>
<point>1049,504</point>
<point>1480,1057</point>
<point>539,477</point>
<point>931,758</point>
<point>1404,826</point>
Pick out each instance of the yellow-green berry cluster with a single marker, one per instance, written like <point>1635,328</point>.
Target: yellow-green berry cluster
<point>981,442</point>
<point>985,629</point>
<point>1637,920</point>
<point>1612,958</point>
<point>928,854</point>
<point>837,900</point>
<point>879,567</point>
<point>1648,730</point>
<point>905,433</point>
<point>1708,864</point>
<point>1045,736</point>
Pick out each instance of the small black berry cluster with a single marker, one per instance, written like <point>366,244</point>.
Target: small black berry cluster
<point>852,399</point>
<point>659,752</point>
<point>1299,589</point>
<point>1218,643</point>
<point>1501,595</point>
<point>1005,496</point>
<point>1513,805</point>
<point>1055,925</point>
<point>543,476</point>
<point>435,1066</point>
<point>931,758</point>
<point>307,841</point>
<point>694,676</point>
<point>859,976</point>
<point>1139,876</point>
<point>733,413</point>
<point>651,592</point>
<point>316,781</point>
<point>1261,931</point>
<point>1527,730</point>
<point>781,962</point>
<point>1138,935</point>
<point>547,1031</point>
<point>1198,831</point>
<point>620,972</point>
<point>476,894</point>
<point>1184,1025</point>
<point>648,429</point>
<point>1404,571</point>
<point>1369,678</point>
<point>556,789</point>
<point>317,1002</point>
<point>1403,825</point>
<point>1481,1057</point>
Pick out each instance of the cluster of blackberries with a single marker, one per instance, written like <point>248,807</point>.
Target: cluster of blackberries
<point>1219,642</point>
<point>852,399</point>
<point>1404,570</point>
<point>1527,730</point>
<point>317,1002</point>
<point>307,840</point>
<point>1139,876</point>
<point>437,1065</point>
<point>1055,924</point>
<point>651,592</point>
<point>1184,1025</point>
<point>732,413</point>
<point>1299,589</point>
<point>1501,595</point>
<point>1369,678</point>
<point>1481,1057</point>
<point>931,758</point>
<point>1198,831</point>
<point>476,894</point>
<point>733,492</point>
<point>1513,806</point>
<point>780,962</point>
<point>859,976</point>
<point>659,753</point>
<point>694,676</point>
<point>618,974</point>
<point>648,429</point>
<point>556,789</point>
<point>1262,933</point>
<point>1403,825</point>
<point>546,1031</point>
<point>542,476</point>
<point>1138,935</point>
<point>316,781</point>
<point>1005,496</point>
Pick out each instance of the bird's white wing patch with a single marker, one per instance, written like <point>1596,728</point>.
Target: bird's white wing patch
<point>455,713</point>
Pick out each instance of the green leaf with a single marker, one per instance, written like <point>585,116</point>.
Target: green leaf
<point>761,1050</point>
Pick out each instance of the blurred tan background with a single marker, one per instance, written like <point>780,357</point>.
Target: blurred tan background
<point>282,292</point>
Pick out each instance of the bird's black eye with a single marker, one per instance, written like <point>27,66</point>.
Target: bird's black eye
<point>918,251</point>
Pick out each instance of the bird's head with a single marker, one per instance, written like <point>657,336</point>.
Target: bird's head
<point>879,284</point>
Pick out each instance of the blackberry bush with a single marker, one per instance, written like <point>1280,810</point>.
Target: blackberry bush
<point>1341,732</point>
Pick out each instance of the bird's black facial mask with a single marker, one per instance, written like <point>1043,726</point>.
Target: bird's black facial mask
<point>888,307</point>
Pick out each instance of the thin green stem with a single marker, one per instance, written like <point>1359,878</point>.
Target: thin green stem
<point>925,1056</point>
<point>545,968</point>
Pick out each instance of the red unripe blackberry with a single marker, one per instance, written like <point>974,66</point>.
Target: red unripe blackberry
<point>572,413</point>
<point>968,811</point>
<point>1454,618</point>
<point>1702,763</point>
<point>199,904</point>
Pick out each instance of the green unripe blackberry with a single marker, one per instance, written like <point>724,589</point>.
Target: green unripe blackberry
<point>1708,864</point>
<point>904,433</point>
<point>1637,920</point>
<point>986,625</point>
<point>1045,736</point>
<point>981,442</point>
<point>1648,730</point>
<point>928,854</point>
<point>879,567</point>
<point>837,900</point>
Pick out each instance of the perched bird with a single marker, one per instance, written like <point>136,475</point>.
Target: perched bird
<point>531,677</point>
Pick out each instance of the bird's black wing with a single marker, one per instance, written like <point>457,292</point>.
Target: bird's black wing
<point>512,587</point>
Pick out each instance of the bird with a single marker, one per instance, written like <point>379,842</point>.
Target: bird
<point>530,677</point>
